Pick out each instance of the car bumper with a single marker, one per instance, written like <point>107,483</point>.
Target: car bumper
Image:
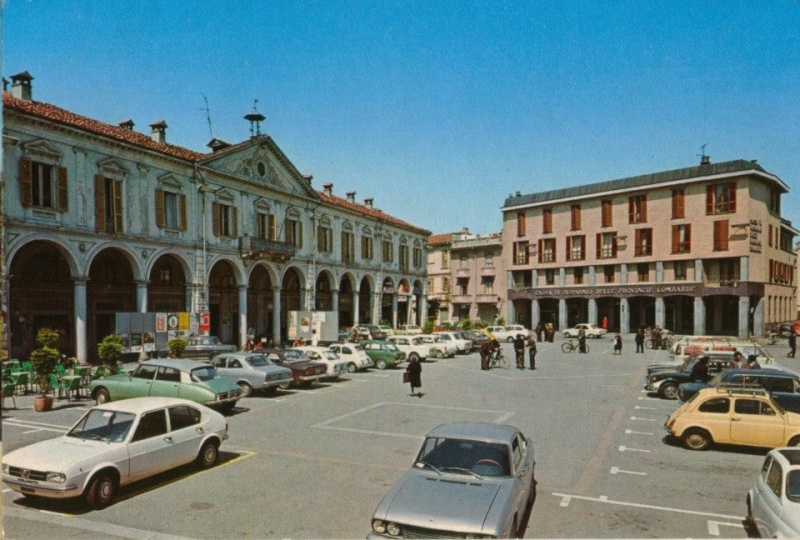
<point>277,382</point>
<point>51,491</point>
<point>652,386</point>
<point>309,378</point>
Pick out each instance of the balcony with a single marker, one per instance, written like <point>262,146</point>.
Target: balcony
<point>462,273</point>
<point>254,248</point>
<point>486,299</point>
<point>487,271</point>
<point>461,299</point>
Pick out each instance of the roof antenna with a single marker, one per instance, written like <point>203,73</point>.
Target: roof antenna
<point>208,115</point>
<point>704,158</point>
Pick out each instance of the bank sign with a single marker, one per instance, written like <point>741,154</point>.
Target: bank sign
<point>622,290</point>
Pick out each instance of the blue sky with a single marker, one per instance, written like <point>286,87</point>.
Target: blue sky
<point>437,109</point>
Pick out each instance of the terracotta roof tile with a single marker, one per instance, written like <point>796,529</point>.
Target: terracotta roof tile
<point>436,239</point>
<point>371,212</point>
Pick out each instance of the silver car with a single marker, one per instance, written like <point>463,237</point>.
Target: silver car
<point>251,371</point>
<point>773,505</point>
<point>470,480</point>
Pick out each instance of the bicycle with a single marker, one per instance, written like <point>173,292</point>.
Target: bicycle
<point>498,360</point>
<point>571,346</point>
<point>666,343</point>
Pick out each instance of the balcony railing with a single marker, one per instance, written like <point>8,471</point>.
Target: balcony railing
<point>488,271</point>
<point>486,298</point>
<point>462,273</point>
<point>251,247</point>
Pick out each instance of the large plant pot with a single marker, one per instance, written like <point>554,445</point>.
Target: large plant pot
<point>42,403</point>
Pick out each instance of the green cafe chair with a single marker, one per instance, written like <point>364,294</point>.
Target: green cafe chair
<point>8,392</point>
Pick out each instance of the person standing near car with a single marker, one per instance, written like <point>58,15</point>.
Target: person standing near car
<point>617,344</point>
<point>532,352</point>
<point>519,350</point>
<point>640,340</point>
<point>792,344</point>
<point>414,370</point>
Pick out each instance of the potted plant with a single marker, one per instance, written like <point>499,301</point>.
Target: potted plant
<point>44,361</point>
<point>110,351</point>
<point>177,346</point>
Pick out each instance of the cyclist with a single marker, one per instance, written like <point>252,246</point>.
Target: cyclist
<point>486,353</point>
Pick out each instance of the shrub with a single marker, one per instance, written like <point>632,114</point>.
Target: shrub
<point>110,351</point>
<point>177,346</point>
<point>45,358</point>
<point>428,328</point>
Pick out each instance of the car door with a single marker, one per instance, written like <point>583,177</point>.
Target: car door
<point>770,514</point>
<point>167,382</point>
<point>186,431</point>
<point>151,448</point>
<point>755,422</point>
<point>522,457</point>
<point>139,384</point>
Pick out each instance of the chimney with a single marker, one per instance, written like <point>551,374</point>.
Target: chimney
<point>368,202</point>
<point>217,144</point>
<point>328,189</point>
<point>308,177</point>
<point>518,194</point>
<point>159,131</point>
<point>705,160</point>
<point>21,86</point>
<point>351,196</point>
<point>127,124</point>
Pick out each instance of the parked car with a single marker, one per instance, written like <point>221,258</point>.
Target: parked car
<point>746,417</point>
<point>304,370</point>
<point>370,331</point>
<point>251,371</point>
<point>771,379</point>
<point>666,382</point>
<point>773,504</point>
<point>413,347</point>
<point>383,353</point>
<point>477,338</point>
<point>592,331</point>
<point>461,345</point>
<point>409,330</point>
<point>691,345</point>
<point>169,377</point>
<point>114,444</point>
<point>443,350</point>
<point>509,332</point>
<point>336,365</point>
<point>469,480</point>
<point>386,329</point>
<point>206,347</point>
<point>354,354</point>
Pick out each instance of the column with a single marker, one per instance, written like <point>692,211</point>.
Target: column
<point>592,275</point>
<point>659,279</point>
<point>335,301</point>
<point>276,316</point>
<point>623,277</point>
<point>744,271</point>
<point>242,315</point>
<point>624,317</point>
<point>536,314</point>
<point>141,295</point>
<point>422,314</point>
<point>408,309</point>
<point>393,322</point>
<point>510,312</point>
<point>699,315</point>
<point>758,317</point>
<point>355,309</point>
<point>562,277</point>
<point>660,312</point>
<point>593,311</point>
<point>562,312</point>
<point>744,316</point>
<point>376,306</point>
<point>79,298</point>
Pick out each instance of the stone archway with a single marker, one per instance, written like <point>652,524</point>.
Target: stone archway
<point>223,302</point>
<point>166,291</point>
<point>346,311</point>
<point>110,289</point>
<point>323,292</point>
<point>291,297</point>
<point>259,303</point>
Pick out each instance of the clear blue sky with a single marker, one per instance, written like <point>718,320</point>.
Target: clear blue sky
<point>437,109</point>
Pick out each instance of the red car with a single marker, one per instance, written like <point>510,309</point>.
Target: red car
<point>304,370</point>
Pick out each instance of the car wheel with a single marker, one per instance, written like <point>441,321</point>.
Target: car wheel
<point>208,455</point>
<point>413,356</point>
<point>380,364</point>
<point>668,390</point>
<point>439,355</point>
<point>794,441</point>
<point>101,491</point>
<point>246,389</point>
<point>285,386</point>
<point>351,367</point>
<point>101,396</point>
<point>696,439</point>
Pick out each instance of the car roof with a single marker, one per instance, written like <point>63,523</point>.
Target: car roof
<point>142,404</point>
<point>481,431</point>
<point>182,364</point>
<point>790,454</point>
<point>778,373</point>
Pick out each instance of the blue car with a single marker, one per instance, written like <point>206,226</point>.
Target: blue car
<point>773,380</point>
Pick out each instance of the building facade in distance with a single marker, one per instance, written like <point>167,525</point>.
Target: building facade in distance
<point>699,250</point>
<point>101,219</point>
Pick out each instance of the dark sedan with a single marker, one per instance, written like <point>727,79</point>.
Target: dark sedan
<point>773,380</point>
<point>666,383</point>
<point>304,370</point>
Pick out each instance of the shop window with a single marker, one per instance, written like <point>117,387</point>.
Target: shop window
<point>643,272</point>
<point>608,273</point>
<point>680,270</point>
<point>577,276</point>
<point>550,276</point>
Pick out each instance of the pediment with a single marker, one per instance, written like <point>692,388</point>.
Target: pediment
<point>112,168</point>
<point>43,151</point>
<point>170,180</point>
<point>224,193</point>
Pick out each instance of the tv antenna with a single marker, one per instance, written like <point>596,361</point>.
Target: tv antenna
<point>208,115</point>
<point>702,153</point>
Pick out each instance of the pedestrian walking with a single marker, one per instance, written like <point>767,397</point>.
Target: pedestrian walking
<point>519,350</point>
<point>532,352</point>
<point>414,370</point>
<point>617,344</point>
<point>486,353</point>
<point>539,331</point>
<point>550,332</point>
<point>792,344</point>
<point>640,340</point>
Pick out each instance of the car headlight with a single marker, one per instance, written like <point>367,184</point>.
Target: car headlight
<point>378,526</point>
<point>653,378</point>
<point>55,477</point>
<point>393,529</point>
<point>6,468</point>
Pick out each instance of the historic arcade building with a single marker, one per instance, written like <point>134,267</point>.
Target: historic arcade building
<point>699,250</point>
<point>100,218</point>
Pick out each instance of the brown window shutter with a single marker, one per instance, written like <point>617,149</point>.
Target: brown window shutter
<point>676,238</point>
<point>26,182</point>
<point>644,208</point>
<point>63,197</point>
<point>161,215</point>
<point>638,242</point>
<point>583,247</point>
<point>235,217</point>
<point>614,246</point>
<point>540,255</point>
<point>709,200</point>
<point>216,216</point>
<point>555,248</point>
<point>273,227</point>
<point>182,204</point>
<point>732,196</point>
<point>688,241</point>
<point>99,203</point>
<point>631,210</point>
<point>599,246</point>
<point>117,206</point>
<point>569,248</point>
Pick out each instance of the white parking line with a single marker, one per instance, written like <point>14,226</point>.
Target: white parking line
<point>643,419</point>
<point>713,526</point>
<point>639,407</point>
<point>617,470</point>
<point>626,449</point>
<point>631,432</point>
<point>606,500</point>
<point>33,427</point>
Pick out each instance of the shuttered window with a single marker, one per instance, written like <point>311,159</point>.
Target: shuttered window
<point>521,224</point>
<point>678,204</point>
<point>170,210</point>
<point>43,185</point>
<point>547,221</point>
<point>226,223</point>
<point>107,204</point>
<point>681,238</point>
<point>575,217</point>
<point>606,211</point>
<point>721,235</point>
<point>644,242</point>
<point>721,198</point>
<point>637,209</point>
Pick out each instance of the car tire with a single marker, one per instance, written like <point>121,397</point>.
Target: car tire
<point>380,364</point>
<point>285,386</point>
<point>246,389</point>
<point>101,491</point>
<point>352,367</point>
<point>101,396</point>
<point>439,355</point>
<point>413,356</point>
<point>794,441</point>
<point>696,439</point>
<point>208,455</point>
<point>668,390</point>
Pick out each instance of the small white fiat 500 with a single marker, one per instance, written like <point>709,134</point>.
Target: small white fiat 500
<point>114,444</point>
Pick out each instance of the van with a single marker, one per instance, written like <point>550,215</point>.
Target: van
<point>691,345</point>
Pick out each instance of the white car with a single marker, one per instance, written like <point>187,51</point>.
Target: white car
<point>462,345</point>
<point>509,332</point>
<point>114,444</point>
<point>386,329</point>
<point>773,504</point>
<point>443,350</point>
<point>410,330</point>
<point>354,354</point>
<point>337,366</point>
<point>413,347</point>
<point>592,331</point>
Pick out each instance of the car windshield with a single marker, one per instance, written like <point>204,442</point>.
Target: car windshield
<point>464,456</point>
<point>102,425</point>
<point>392,347</point>
<point>329,355</point>
<point>202,374</point>
<point>295,356</point>
<point>257,361</point>
<point>793,485</point>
